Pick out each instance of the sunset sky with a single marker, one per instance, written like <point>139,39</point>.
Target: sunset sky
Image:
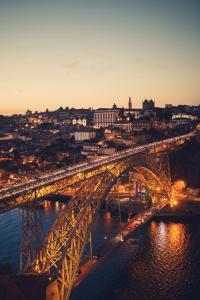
<point>84,53</point>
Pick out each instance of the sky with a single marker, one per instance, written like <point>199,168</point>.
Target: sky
<point>92,53</point>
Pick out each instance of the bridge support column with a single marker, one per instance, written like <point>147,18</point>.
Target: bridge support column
<point>136,189</point>
<point>91,248</point>
<point>31,235</point>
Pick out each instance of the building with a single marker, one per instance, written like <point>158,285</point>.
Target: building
<point>168,106</point>
<point>81,133</point>
<point>92,151</point>
<point>131,113</point>
<point>124,125</point>
<point>62,114</point>
<point>104,117</point>
<point>134,113</point>
<point>148,104</point>
<point>140,125</point>
<point>79,121</point>
<point>129,104</point>
<point>159,124</point>
<point>184,116</point>
<point>177,123</point>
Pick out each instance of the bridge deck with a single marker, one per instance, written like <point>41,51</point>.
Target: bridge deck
<point>51,178</point>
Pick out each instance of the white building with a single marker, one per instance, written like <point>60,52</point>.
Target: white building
<point>83,133</point>
<point>184,116</point>
<point>104,117</point>
<point>136,113</point>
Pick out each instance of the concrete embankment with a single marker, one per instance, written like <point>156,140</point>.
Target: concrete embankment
<point>184,210</point>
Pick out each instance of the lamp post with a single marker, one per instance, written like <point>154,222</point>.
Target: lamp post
<point>120,222</point>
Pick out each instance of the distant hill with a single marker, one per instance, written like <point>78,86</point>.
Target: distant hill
<point>185,163</point>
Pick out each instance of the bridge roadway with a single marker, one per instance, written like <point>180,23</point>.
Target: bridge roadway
<point>64,173</point>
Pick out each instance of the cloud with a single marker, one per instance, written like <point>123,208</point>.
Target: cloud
<point>99,69</point>
<point>71,65</point>
<point>90,69</point>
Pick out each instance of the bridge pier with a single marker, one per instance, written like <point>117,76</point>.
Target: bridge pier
<point>52,292</point>
<point>31,235</point>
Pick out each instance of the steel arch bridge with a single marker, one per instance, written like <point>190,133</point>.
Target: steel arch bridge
<point>62,249</point>
<point>64,246</point>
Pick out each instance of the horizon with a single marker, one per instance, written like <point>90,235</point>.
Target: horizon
<point>92,108</point>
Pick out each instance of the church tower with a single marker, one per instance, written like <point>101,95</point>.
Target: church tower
<point>129,103</point>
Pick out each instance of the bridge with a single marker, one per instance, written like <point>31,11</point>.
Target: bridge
<point>59,254</point>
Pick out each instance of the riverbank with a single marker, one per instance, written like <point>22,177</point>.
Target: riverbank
<point>184,210</point>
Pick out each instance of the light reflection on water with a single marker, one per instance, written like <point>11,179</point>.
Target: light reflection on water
<point>169,256</point>
<point>160,261</point>
<point>10,230</point>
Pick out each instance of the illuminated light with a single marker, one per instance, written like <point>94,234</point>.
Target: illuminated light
<point>162,233</point>
<point>49,278</point>
<point>176,238</point>
<point>175,202</point>
<point>179,185</point>
<point>108,215</point>
<point>171,202</point>
<point>105,237</point>
<point>158,189</point>
<point>121,237</point>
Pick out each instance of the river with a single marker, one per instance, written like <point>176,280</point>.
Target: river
<point>159,261</point>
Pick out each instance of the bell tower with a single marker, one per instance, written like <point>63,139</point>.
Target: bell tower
<point>129,103</point>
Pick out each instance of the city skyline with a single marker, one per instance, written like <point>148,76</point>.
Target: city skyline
<point>95,53</point>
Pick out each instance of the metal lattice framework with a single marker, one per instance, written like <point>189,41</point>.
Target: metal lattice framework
<point>63,247</point>
<point>31,234</point>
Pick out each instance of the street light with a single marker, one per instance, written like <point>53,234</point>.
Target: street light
<point>158,189</point>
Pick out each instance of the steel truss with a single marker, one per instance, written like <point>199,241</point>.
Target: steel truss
<point>31,234</point>
<point>63,248</point>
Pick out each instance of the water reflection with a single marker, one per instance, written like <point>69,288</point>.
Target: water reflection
<point>169,250</point>
<point>172,237</point>
<point>10,230</point>
<point>46,204</point>
<point>159,262</point>
<point>57,205</point>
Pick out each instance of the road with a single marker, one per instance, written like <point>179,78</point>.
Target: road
<point>113,241</point>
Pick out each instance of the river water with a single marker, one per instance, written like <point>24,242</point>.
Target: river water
<point>159,261</point>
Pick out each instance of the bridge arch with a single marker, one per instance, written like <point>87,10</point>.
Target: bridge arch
<point>64,245</point>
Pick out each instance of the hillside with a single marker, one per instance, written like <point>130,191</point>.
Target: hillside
<point>185,163</point>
